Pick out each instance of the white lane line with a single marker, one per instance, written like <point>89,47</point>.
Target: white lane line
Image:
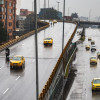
<point>17,78</point>
<point>6,90</point>
<point>1,67</point>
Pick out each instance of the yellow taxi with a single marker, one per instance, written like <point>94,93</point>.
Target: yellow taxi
<point>54,21</point>
<point>98,55</point>
<point>96,84</point>
<point>17,62</point>
<point>87,47</point>
<point>48,41</point>
<point>93,60</point>
<point>89,39</point>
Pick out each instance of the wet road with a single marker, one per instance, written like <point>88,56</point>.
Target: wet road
<point>21,84</point>
<point>81,88</point>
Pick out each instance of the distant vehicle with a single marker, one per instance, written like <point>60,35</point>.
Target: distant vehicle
<point>87,47</point>
<point>92,42</point>
<point>89,38</point>
<point>54,21</point>
<point>48,41</point>
<point>98,55</point>
<point>95,84</point>
<point>93,48</point>
<point>93,60</point>
<point>17,62</point>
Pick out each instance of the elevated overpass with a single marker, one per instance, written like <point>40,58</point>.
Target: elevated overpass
<point>88,23</point>
<point>50,64</point>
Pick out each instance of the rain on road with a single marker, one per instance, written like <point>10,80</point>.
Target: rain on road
<point>21,85</point>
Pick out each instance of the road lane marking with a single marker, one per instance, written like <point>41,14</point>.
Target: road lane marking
<point>1,67</point>
<point>6,90</point>
<point>17,78</point>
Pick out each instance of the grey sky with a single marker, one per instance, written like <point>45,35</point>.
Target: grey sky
<point>82,7</point>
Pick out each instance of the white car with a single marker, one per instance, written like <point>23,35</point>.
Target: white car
<point>93,48</point>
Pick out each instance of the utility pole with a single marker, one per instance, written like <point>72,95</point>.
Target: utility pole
<point>89,14</point>
<point>62,51</point>
<point>44,8</point>
<point>68,11</point>
<point>58,5</point>
<point>48,3</point>
<point>36,49</point>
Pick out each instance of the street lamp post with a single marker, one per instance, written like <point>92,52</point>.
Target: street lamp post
<point>36,49</point>
<point>58,5</point>
<point>48,3</point>
<point>62,51</point>
<point>68,11</point>
<point>44,8</point>
<point>89,14</point>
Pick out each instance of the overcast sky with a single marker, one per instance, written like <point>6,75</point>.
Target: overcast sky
<point>82,7</point>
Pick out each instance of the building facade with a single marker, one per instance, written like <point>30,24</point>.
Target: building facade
<point>25,12</point>
<point>8,16</point>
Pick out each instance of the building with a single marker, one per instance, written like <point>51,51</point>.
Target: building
<point>25,12</point>
<point>68,18</point>
<point>8,16</point>
<point>20,21</point>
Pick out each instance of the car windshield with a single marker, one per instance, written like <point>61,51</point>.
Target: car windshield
<point>16,58</point>
<point>93,57</point>
<point>96,81</point>
<point>48,39</point>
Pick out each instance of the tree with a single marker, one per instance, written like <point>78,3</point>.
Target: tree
<point>74,15</point>
<point>3,33</point>
<point>48,13</point>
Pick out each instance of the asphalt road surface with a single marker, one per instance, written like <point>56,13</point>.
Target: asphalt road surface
<point>82,88</point>
<point>21,84</point>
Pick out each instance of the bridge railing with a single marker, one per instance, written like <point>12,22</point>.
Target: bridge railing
<point>56,76</point>
<point>11,42</point>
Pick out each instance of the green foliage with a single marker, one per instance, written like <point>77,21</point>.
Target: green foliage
<point>3,33</point>
<point>48,13</point>
<point>74,15</point>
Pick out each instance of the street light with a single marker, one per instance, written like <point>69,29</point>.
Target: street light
<point>62,50</point>
<point>48,3</point>
<point>58,5</point>
<point>44,8</point>
<point>89,14</point>
<point>68,11</point>
<point>36,49</point>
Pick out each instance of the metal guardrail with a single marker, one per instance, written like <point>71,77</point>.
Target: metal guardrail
<point>46,92</point>
<point>11,42</point>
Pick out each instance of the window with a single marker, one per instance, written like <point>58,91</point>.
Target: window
<point>1,1</point>
<point>9,10</point>
<point>5,9</point>
<point>10,17</point>
<point>1,16</point>
<point>9,3</point>
<point>10,24</point>
<point>10,30</point>
<point>1,9</point>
